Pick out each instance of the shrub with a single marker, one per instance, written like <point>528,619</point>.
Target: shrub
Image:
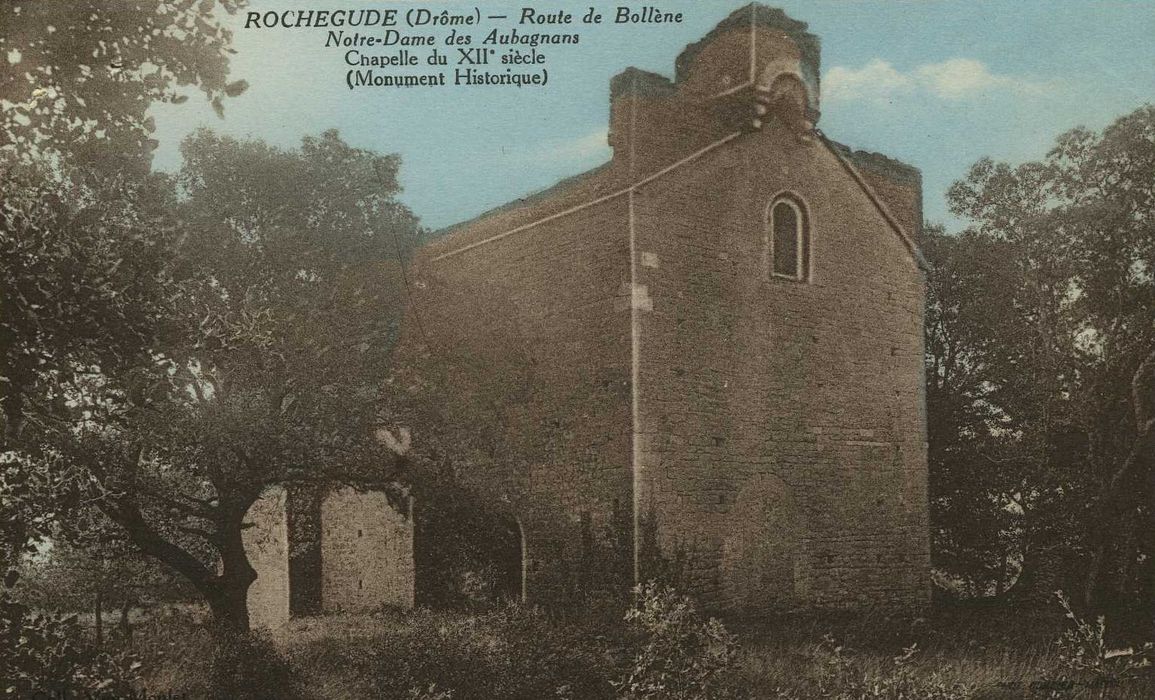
<point>1083,650</point>
<point>513,653</point>
<point>430,693</point>
<point>49,655</point>
<point>683,656</point>
<point>467,556</point>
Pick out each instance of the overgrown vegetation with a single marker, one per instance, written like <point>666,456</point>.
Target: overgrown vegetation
<point>1083,650</point>
<point>682,655</point>
<point>47,654</point>
<point>668,651</point>
<point>840,673</point>
<point>512,652</point>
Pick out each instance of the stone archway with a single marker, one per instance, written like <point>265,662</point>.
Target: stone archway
<point>469,551</point>
<point>763,553</point>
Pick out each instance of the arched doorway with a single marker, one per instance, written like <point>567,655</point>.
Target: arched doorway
<point>763,553</point>
<point>468,553</point>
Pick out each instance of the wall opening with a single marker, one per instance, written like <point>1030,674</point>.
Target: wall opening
<point>763,553</point>
<point>467,552</point>
<point>321,547</point>
<point>788,238</point>
<point>303,510</point>
<point>787,99</point>
<point>508,561</point>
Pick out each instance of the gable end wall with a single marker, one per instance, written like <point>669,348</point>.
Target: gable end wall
<point>760,395</point>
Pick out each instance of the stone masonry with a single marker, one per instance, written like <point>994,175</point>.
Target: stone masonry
<point>336,550</point>
<point>647,378</point>
<point>656,397</point>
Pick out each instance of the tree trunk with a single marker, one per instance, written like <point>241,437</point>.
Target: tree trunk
<point>225,592</point>
<point>99,622</point>
<point>1124,489</point>
<point>1147,567</point>
<point>125,627</point>
<point>229,605</point>
<point>229,597</point>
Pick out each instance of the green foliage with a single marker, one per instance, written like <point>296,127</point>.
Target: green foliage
<point>1038,326</point>
<point>1083,650</point>
<point>45,653</point>
<point>249,667</point>
<point>965,651</point>
<point>83,286</point>
<point>466,554</point>
<point>291,303</point>
<point>85,72</point>
<point>842,677</point>
<point>83,236</point>
<point>264,362</point>
<point>432,692</point>
<point>683,656</point>
<point>185,658</point>
<point>514,652</point>
<point>71,576</point>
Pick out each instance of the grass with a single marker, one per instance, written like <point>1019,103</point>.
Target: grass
<point>962,651</point>
<point>985,651</point>
<point>513,653</point>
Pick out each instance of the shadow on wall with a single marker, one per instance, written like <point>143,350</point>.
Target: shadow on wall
<point>467,552</point>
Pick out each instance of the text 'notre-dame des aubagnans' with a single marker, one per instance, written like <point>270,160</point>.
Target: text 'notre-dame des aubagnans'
<point>467,47</point>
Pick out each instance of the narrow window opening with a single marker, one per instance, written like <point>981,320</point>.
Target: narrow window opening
<point>789,240</point>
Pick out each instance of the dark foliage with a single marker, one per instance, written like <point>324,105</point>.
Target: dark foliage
<point>1039,373</point>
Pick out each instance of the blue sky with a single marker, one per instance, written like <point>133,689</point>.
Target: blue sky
<point>937,84</point>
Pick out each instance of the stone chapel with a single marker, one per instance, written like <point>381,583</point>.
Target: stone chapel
<point>705,357</point>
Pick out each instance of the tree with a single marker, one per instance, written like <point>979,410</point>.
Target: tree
<point>1040,337</point>
<point>82,230</point>
<point>82,289</point>
<point>101,573</point>
<point>79,76</point>
<point>972,490</point>
<point>282,317</point>
<point>1109,180</point>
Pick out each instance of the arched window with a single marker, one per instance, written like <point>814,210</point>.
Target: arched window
<point>789,236</point>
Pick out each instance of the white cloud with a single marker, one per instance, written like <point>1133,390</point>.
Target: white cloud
<point>952,79</point>
<point>958,78</point>
<point>580,149</point>
<point>877,80</point>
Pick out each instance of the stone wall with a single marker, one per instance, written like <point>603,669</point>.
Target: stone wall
<point>267,546</point>
<point>781,421</point>
<point>530,332</point>
<point>616,357</point>
<point>366,552</point>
